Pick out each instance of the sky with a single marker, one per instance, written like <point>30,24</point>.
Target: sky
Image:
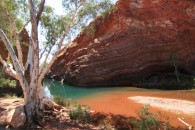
<point>57,5</point>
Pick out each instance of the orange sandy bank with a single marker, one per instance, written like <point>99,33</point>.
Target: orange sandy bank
<point>118,103</point>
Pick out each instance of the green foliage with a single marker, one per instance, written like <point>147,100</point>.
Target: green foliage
<point>62,101</point>
<point>148,121</point>
<point>6,6</point>
<point>80,113</point>
<point>86,11</point>
<point>76,112</point>
<point>6,81</point>
<point>10,95</point>
<point>10,22</point>
<point>53,27</point>
<point>89,30</point>
<point>106,14</point>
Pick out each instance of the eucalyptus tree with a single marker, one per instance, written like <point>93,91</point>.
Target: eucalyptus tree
<point>77,13</point>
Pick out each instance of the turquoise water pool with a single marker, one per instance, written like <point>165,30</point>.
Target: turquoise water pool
<point>73,92</point>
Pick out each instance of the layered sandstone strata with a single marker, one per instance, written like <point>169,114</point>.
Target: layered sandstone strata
<point>132,45</point>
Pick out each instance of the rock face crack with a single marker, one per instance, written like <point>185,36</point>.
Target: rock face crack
<point>132,45</point>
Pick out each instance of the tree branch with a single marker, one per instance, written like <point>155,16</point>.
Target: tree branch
<point>44,62</point>
<point>19,50</point>
<point>12,53</point>
<point>19,72</point>
<point>69,26</point>
<point>17,38</point>
<point>46,69</point>
<point>41,8</point>
<point>33,21</point>
<point>8,69</point>
<point>44,72</point>
<point>35,45</point>
<point>41,55</point>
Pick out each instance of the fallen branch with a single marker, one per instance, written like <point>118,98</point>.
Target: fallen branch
<point>190,127</point>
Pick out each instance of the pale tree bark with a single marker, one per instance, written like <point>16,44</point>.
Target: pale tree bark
<point>45,60</point>
<point>18,45</point>
<point>19,50</point>
<point>19,73</point>
<point>33,93</point>
<point>17,39</point>
<point>32,101</point>
<point>8,69</point>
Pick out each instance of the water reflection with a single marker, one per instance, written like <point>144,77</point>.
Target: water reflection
<point>47,91</point>
<point>67,91</point>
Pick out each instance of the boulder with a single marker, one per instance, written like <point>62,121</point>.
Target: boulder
<point>18,118</point>
<point>14,117</point>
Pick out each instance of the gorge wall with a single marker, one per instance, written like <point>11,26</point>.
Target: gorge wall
<point>24,38</point>
<point>132,45</point>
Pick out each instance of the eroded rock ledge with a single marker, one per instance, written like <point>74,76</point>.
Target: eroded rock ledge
<point>132,45</point>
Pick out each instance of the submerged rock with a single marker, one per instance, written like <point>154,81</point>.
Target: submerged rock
<point>139,42</point>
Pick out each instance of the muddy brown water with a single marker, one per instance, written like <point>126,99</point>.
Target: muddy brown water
<point>118,103</point>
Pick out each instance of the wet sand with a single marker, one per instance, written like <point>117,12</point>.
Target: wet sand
<point>117,102</point>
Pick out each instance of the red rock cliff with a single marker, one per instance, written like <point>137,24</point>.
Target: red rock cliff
<point>24,39</point>
<point>132,45</point>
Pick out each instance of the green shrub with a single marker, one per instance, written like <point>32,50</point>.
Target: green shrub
<point>10,95</point>
<point>62,101</point>
<point>89,30</point>
<point>80,113</point>
<point>106,14</point>
<point>148,121</point>
<point>6,81</point>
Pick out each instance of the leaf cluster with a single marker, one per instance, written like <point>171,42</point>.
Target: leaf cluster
<point>148,121</point>
<point>53,26</point>
<point>10,23</point>
<point>8,10</point>
<point>87,10</point>
<point>62,101</point>
<point>80,113</point>
<point>6,81</point>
